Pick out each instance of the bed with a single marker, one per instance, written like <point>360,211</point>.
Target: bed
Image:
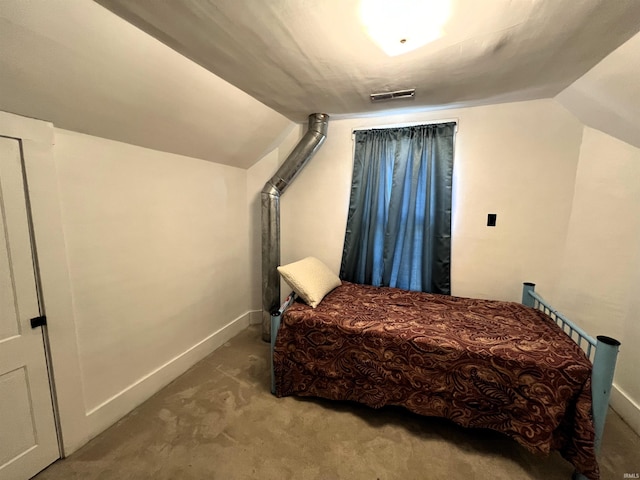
<point>520,369</point>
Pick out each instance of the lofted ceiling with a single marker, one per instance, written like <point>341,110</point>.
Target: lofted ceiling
<point>303,56</point>
<point>75,64</point>
<point>607,97</point>
<point>239,73</point>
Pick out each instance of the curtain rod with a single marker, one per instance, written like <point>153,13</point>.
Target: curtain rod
<point>406,124</point>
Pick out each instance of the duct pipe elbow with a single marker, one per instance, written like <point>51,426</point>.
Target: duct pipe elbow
<point>297,159</point>
<point>270,189</point>
<point>319,122</point>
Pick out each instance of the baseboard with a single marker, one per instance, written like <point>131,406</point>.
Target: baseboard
<point>626,408</point>
<point>255,317</point>
<point>116,407</point>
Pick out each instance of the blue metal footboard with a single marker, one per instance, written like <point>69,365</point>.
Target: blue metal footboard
<point>601,351</point>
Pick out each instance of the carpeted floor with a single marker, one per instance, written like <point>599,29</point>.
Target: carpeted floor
<point>218,421</point>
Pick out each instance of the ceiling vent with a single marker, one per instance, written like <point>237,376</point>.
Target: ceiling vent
<point>397,95</point>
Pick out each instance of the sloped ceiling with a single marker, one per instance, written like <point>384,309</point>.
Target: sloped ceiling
<point>73,63</point>
<point>258,66</point>
<point>302,56</point>
<point>607,97</point>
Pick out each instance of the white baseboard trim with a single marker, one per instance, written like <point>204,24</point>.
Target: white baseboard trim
<point>116,407</point>
<point>626,408</point>
<point>255,317</point>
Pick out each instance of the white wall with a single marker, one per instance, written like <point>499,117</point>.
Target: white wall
<point>600,272</point>
<point>601,266</point>
<point>517,160</point>
<point>144,266</point>
<point>157,253</point>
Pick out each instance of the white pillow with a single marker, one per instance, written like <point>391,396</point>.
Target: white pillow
<point>310,279</point>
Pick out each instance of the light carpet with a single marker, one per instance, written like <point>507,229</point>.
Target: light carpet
<point>219,421</point>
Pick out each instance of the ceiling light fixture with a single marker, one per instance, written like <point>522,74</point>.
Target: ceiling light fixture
<point>403,25</point>
<point>397,95</point>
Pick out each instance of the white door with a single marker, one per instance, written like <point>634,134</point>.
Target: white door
<point>28,441</point>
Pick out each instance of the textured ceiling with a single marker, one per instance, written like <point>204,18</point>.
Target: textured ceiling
<point>303,56</point>
<point>76,64</point>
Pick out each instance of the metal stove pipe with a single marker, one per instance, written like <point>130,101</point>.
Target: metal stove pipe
<point>270,200</point>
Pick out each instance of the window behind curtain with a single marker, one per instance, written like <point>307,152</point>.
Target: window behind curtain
<point>399,222</point>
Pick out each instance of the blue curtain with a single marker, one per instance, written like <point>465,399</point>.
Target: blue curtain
<point>399,222</point>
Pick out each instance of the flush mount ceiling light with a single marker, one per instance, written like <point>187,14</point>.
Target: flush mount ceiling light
<point>403,25</point>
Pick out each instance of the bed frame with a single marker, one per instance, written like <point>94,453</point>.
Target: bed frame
<point>601,351</point>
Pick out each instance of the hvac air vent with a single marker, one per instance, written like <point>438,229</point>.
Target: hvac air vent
<point>398,95</point>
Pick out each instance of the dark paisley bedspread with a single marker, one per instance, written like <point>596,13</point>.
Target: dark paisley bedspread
<point>480,363</point>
